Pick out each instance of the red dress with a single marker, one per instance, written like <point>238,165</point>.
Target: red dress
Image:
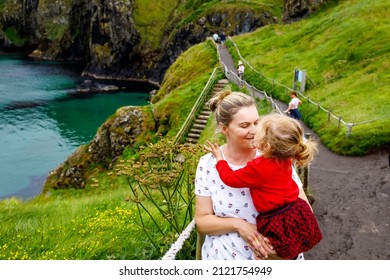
<point>283,218</point>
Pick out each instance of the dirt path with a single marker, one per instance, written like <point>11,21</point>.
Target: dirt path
<point>351,201</point>
<point>352,206</point>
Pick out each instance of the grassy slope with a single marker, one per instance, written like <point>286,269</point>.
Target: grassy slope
<point>153,18</point>
<point>345,51</point>
<point>97,222</point>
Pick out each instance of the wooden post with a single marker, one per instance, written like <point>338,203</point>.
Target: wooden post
<point>295,79</point>
<point>306,172</point>
<point>199,244</point>
<point>303,81</point>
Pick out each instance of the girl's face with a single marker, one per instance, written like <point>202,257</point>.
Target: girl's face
<point>242,128</point>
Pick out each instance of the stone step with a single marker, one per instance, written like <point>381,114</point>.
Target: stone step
<point>203,117</point>
<point>205,113</point>
<point>193,135</point>
<point>223,81</point>
<point>199,126</point>
<point>200,121</point>
<point>191,140</point>
<point>196,130</point>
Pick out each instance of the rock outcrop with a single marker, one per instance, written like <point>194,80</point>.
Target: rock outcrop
<point>120,131</point>
<point>294,10</point>
<point>103,34</point>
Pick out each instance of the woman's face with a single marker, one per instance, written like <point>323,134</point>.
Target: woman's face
<point>242,128</point>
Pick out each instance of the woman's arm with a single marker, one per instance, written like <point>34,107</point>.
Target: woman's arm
<point>208,223</point>
<point>303,196</point>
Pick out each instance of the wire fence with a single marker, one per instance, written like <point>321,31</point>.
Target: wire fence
<point>287,89</point>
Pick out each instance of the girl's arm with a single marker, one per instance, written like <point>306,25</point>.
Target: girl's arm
<point>235,179</point>
<point>289,107</point>
<point>208,223</point>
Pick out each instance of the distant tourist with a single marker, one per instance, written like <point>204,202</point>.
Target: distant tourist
<point>292,109</point>
<point>216,37</point>
<point>240,70</point>
<point>222,38</point>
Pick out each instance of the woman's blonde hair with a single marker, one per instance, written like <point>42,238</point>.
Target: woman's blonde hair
<point>225,105</point>
<point>281,137</point>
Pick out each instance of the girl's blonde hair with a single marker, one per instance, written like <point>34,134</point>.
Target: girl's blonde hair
<point>225,105</point>
<point>281,137</point>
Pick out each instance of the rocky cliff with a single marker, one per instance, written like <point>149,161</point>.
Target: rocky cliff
<point>296,9</point>
<point>120,131</point>
<point>104,34</point>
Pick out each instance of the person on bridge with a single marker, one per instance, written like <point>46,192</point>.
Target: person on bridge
<point>284,218</point>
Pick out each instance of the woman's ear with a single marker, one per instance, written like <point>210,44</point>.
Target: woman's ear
<point>222,128</point>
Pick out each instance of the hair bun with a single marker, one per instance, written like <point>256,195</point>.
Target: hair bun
<point>217,99</point>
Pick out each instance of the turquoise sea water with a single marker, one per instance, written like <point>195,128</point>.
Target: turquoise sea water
<point>41,123</point>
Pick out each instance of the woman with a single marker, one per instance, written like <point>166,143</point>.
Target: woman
<point>227,216</point>
<point>293,106</point>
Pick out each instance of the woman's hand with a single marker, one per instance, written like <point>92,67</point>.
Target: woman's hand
<point>259,244</point>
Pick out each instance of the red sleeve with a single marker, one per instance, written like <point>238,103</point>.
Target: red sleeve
<point>246,177</point>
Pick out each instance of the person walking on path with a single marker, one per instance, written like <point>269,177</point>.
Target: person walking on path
<point>216,37</point>
<point>222,37</point>
<point>240,70</point>
<point>286,219</point>
<point>293,106</point>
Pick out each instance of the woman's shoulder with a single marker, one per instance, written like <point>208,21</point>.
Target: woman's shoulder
<point>207,159</point>
<point>206,156</point>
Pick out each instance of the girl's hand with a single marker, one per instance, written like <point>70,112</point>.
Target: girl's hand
<point>214,149</point>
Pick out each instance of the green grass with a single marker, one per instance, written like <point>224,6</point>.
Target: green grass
<point>183,83</point>
<point>102,221</point>
<point>151,17</point>
<point>345,52</point>
<point>127,213</point>
<point>157,19</point>
<point>82,227</point>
